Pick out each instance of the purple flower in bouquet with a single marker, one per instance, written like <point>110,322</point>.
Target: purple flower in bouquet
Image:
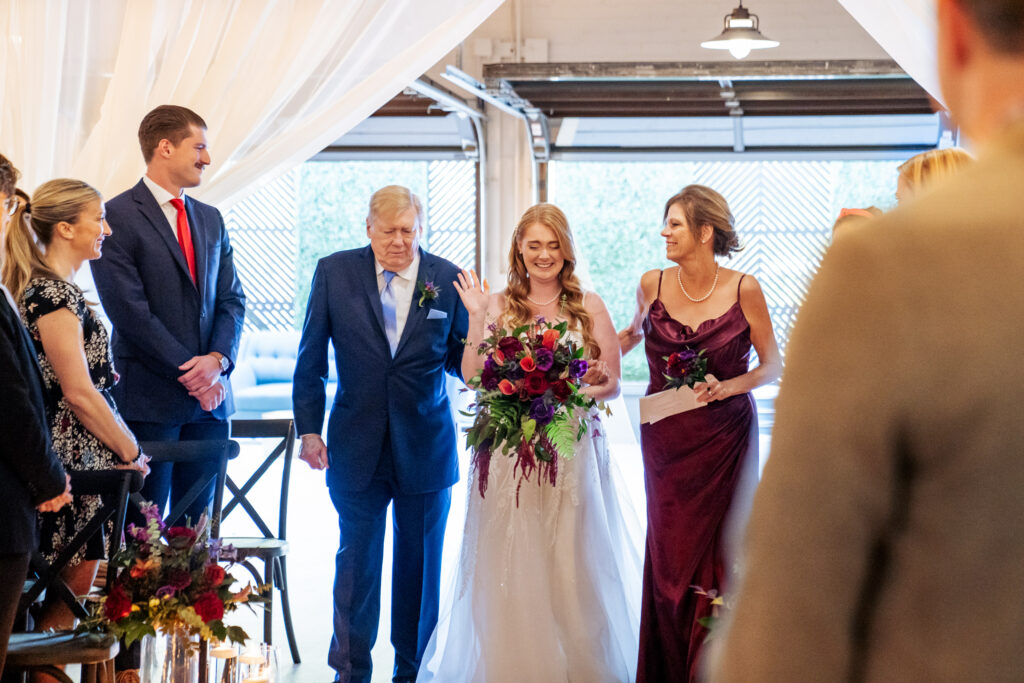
<point>543,358</point>
<point>489,376</point>
<point>541,411</point>
<point>685,367</point>
<point>165,592</point>
<point>510,346</point>
<point>680,360</point>
<point>138,533</point>
<point>577,368</point>
<point>152,513</point>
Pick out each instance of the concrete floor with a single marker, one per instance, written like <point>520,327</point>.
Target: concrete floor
<point>313,538</point>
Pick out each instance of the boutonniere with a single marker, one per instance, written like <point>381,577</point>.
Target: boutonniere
<point>428,291</point>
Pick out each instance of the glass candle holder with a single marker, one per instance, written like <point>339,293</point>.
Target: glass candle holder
<point>222,663</point>
<point>258,664</point>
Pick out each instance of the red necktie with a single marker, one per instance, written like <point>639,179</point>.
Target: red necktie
<point>185,237</point>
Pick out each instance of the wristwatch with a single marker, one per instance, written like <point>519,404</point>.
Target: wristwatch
<point>224,364</point>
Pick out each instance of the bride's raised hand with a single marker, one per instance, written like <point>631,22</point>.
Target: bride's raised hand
<point>473,292</point>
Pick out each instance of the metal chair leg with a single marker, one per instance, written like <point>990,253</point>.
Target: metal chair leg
<point>268,615</point>
<point>286,610</point>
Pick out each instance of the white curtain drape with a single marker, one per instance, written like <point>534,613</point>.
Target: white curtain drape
<point>906,29</point>
<point>275,80</point>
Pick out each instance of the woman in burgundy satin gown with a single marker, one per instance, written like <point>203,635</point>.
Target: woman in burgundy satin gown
<point>694,461</point>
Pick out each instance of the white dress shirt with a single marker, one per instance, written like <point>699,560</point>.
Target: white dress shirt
<point>163,198</point>
<point>404,287</point>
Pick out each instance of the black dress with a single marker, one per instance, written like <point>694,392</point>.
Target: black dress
<point>76,446</point>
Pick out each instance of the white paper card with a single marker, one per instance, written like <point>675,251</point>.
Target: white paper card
<point>666,403</point>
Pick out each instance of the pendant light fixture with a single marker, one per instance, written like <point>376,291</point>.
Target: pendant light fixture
<point>740,34</point>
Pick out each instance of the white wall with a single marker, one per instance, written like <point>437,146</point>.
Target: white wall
<point>666,31</point>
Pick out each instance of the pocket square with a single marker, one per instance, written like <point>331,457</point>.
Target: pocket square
<point>434,314</point>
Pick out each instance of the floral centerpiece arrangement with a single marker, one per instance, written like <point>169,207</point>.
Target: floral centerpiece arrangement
<point>168,580</point>
<point>685,368</point>
<point>529,403</point>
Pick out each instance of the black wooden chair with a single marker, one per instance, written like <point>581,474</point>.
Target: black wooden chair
<point>189,451</point>
<point>46,652</point>
<point>271,548</point>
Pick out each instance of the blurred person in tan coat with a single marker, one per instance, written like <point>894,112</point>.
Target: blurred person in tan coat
<point>886,542</point>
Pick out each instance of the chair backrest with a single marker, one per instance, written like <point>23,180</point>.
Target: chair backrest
<point>114,488</point>
<point>189,451</point>
<point>283,429</point>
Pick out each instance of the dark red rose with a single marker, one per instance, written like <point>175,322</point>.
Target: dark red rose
<point>118,604</point>
<point>561,390</point>
<point>535,383</point>
<point>215,575</point>
<point>179,578</point>
<point>209,607</point>
<point>510,346</point>
<point>181,536</point>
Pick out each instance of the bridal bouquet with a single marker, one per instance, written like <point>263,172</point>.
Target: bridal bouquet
<point>685,368</point>
<point>527,395</point>
<point>168,579</point>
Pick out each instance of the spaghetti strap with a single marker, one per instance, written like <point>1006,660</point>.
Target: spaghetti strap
<point>742,275</point>
<point>661,274</point>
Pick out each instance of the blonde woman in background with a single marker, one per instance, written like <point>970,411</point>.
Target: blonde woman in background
<point>46,243</point>
<point>920,171</point>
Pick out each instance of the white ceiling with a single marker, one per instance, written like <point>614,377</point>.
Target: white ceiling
<point>663,31</point>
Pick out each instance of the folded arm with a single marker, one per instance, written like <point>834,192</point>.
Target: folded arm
<point>61,336</point>
<point>608,341</point>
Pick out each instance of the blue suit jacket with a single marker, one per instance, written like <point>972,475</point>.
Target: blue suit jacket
<point>161,318</point>
<point>404,395</point>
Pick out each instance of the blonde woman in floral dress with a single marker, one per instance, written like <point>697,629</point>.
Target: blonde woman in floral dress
<point>548,584</point>
<point>47,241</point>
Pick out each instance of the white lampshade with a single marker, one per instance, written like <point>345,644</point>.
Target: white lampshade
<point>740,35</point>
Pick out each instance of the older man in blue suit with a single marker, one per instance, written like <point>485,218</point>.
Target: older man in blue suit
<point>397,326</point>
<point>167,282</point>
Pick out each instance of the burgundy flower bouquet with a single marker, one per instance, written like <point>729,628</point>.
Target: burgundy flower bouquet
<point>528,393</point>
<point>685,368</point>
<point>167,580</point>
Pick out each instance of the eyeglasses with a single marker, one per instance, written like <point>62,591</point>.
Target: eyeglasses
<point>11,205</point>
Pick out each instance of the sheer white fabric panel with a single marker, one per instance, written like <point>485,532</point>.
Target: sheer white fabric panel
<point>275,80</point>
<point>906,29</point>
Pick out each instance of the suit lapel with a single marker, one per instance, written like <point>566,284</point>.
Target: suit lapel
<point>150,210</point>
<point>369,280</point>
<point>417,313</point>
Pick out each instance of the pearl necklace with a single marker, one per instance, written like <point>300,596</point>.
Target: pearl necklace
<point>544,303</point>
<point>687,294</point>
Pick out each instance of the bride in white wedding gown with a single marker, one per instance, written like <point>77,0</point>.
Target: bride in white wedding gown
<point>548,583</point>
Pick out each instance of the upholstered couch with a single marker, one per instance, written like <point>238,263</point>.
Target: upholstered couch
<point>262,378</point>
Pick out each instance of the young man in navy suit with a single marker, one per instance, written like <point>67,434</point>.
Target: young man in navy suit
<point>397,327</point>
<point>168,284</point>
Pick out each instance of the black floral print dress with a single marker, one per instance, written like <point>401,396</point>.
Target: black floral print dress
<point>76,446</point>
